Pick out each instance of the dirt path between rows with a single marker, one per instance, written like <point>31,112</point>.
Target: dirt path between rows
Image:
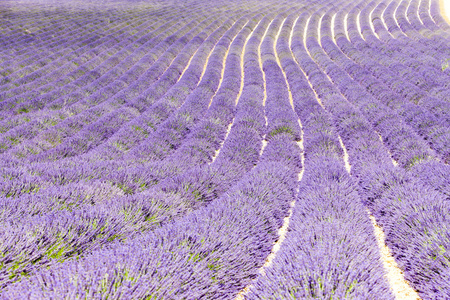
<point>444,6</point>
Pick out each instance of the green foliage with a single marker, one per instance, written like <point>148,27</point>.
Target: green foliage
<point>445,64</point>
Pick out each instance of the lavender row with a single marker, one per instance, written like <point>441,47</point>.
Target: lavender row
<point>311,262</point>
<point>38,59</point>
<point>96,78</point>
<point>424,123</point>
<point>72,170</point>
<point>124,34</point>
<point>274,176</point>
<point>139,128</point>
<point>117,223</point>
<point>406,146</point>
<point>278,105</point>
<point>207,135</point>
<point>105,107</point>
<point>123,60</point>
<point>233,235</point>
<point>395,198</point>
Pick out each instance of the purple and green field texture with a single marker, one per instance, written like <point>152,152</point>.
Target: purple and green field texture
<point>236,150</point>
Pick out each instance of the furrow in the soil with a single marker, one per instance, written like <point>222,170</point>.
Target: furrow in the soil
<point>394,14</point>
<point>291,100</point>
<point>400,287</point>
<point>346,26</point>
<point>358,24</point>
<point>299,143</point>
<point>222,72</point>
<point>319,32</point>
<point>241,87</point>
<point>187,65</point>
<point>394,162</point>
<point>264,141</point>
<point>417,12</point>
<point>384,21</point>
<point>333,18</point>
<point>371,24</point>
<point>283,230</point>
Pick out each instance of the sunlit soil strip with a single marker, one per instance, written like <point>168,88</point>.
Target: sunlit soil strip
<point>241,87</point>
<point>209,55</point>
<point>333,18</point>
<point>399,285</point>
<point>306,48</point>
<point>384,22</point>
<point>276,247</point>
<point>300,143</point>
<point>394,16</point>
<point>394,274</point>
<point>406,11</point>
<point>417,12</point>
<point>444,6</point>
<point>225,56</point>
<point>284,229</point>
<point>282,232</point>
<point>348,167</point>
<point>187,66</point>
<point>345,26</point>
<point>221,144</point>
<point>291,100</point>
<point>371,24</point>
<point>394,162</point>
<point>264,142</point>
<point>358,24</point>
<point>319,33</point>
<point>302,155</point>
<point>261,65</point>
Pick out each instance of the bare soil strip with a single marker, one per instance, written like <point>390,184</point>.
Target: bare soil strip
<point>394,162</point>
<point>371,24</point>
<point>282,232</point>
<point>345,26</point>
<point>223,142</point>
<point>300,143</point>
<point>241,87</point>
<point>444,5</point>
<point>264,142</point>
<point>400,287</point>
<point>333,18</point>
<point>358,25</point>
<point>187,65</point>
<point>384,22</point>
<point>395,19</point>
<point>225,56</point>
<point>291,100</point>
<point>348,167</point>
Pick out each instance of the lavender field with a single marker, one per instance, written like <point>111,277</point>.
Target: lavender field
<point>224,149</point>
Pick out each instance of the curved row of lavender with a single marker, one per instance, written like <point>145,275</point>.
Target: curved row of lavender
<point>153,149</point>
